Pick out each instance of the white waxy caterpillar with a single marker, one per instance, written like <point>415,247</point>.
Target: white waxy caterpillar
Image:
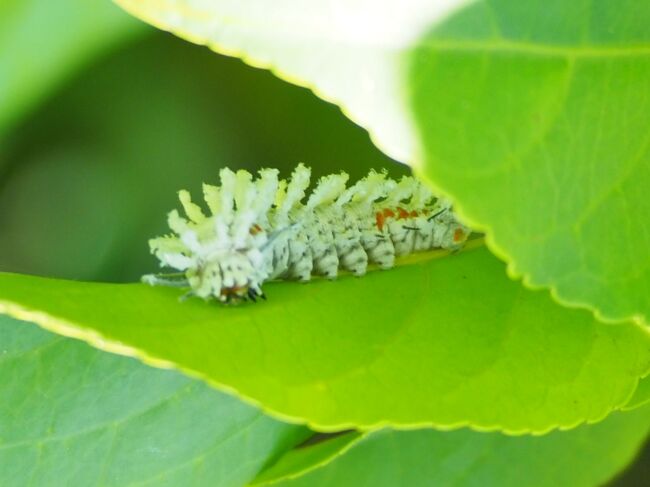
<point>260,229</point>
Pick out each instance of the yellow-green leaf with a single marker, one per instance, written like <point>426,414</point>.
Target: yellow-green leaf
<point>446,342</point>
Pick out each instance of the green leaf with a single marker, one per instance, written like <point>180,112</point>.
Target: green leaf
<point>587,456</point>
<point>641,395</point>
<point>448,342</point>
<point>42,42</point>
<point>71,415</point>
<point>299,461</point>
<point>535,119</point>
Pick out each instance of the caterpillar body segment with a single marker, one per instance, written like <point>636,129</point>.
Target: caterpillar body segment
<point>264,228</point>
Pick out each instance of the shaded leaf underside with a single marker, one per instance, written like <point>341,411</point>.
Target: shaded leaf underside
<point>539,129</point>
<point>72,415</point>
<point>587,456</point>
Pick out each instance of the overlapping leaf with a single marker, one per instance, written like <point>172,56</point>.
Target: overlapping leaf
<point>587,456</point>
<point>446,342</point>
<point>536,120</point>
<point>71,415</point>
<point>301,461</point>
<point>641,395</point>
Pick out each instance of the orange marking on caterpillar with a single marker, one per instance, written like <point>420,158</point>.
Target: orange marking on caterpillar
<point>255,229</point>
<point>402,213</point>
<point>459,235</point>
<point>382,216</point>
<point>381,219</point>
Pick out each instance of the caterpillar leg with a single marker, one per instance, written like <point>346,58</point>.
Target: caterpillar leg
<point>169,280</point>
<point>187,295</point>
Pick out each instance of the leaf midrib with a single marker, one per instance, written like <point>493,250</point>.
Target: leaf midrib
<point>536,49</point>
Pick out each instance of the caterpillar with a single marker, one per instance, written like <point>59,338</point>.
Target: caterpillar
<point>259,229</point>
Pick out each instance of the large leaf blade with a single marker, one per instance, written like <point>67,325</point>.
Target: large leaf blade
<point>458,344</point>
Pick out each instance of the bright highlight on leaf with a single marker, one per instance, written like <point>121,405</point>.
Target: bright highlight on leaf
<point>349,52</point>
<point>260,230</point>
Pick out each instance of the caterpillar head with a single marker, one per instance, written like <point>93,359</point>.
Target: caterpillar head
<point>224,269</point>
<point>229,275</point>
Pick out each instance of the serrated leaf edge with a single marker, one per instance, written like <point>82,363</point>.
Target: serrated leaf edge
<point>68,329</point>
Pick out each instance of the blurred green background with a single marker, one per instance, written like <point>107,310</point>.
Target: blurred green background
<point>89,174</point>
<point>103,119</point>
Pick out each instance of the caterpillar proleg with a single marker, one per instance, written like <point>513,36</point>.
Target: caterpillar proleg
<point>265,228</point>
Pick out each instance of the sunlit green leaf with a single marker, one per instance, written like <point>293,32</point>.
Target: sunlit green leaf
<point>448,342</point>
